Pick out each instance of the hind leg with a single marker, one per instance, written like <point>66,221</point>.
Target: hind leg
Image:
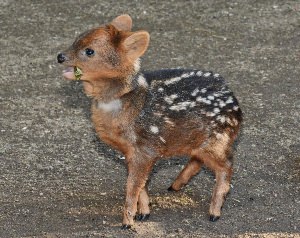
<point>190,170</point>
<point>222,168</point>
<point>222,186</point>
<point>217,156</point>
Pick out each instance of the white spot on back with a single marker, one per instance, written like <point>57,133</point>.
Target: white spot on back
<point>168,120</point>
<point>203,90</point>
<point>182,106</point>
<point>210,97</point>
<point>199,73</point>
<point>221,119</point>
<point>154,129</point>
<point>193,104</point>
<point>235,108</point>
<point>218,94</point>
<point>204,100</point>
<point>172,80</point>
<point>162,139</point>
<point>188,74</point>
<point>185,75</point>
<point>229,100</point>
<point>194,93</point>
<point>160,90</point>
<point>210,114</point>
<point>112,106</point>
<point>207,74</point>
<point>170,99</point>
<point>222,104</point>
<point>216,110</point>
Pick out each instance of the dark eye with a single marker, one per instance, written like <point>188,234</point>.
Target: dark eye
<point>89,52</point>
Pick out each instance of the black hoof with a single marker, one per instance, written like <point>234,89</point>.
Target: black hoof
<point>126,227</point>
<point>171,189</point>
<point>142,217</point>
<point>213,218</point>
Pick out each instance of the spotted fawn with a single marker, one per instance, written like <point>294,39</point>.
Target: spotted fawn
<point>153,115</point>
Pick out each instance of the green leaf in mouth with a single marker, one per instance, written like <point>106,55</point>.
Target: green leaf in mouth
<point>77,72</point>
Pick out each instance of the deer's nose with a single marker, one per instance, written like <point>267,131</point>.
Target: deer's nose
<point>61,58</point>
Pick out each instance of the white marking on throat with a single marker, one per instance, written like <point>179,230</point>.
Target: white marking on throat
<point>112,106</point>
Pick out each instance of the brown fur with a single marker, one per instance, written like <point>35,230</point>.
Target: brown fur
<point>119,100</point>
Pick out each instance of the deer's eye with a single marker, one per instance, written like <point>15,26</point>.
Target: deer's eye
<point>89,52</point>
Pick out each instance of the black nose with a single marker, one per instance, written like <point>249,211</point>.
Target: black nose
<point>61,58</point>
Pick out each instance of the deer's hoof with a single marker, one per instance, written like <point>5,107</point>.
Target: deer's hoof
<point>142,217</point>
<point>213,218</point>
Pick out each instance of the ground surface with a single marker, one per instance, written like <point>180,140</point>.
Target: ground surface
<point>58,180</point>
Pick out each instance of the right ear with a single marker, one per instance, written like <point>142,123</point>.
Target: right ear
<point>122,23</point>
<point>136,44</point>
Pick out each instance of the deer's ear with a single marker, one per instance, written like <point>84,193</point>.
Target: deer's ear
<point>136,44</point>
<point>122,23</point>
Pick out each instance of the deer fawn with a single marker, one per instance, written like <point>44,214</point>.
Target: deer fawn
<point>153,115</point>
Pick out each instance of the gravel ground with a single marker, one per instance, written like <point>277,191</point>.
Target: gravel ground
<point>58,180</point>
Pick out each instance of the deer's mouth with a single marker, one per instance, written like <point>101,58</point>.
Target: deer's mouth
<point>72,72</point>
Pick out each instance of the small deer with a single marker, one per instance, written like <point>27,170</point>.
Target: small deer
<point>151,115</point>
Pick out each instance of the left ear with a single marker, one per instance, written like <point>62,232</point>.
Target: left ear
<point>136,44</point>
<point>122,23</point>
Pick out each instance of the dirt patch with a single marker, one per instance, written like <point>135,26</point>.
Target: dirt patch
<point>173,201</point>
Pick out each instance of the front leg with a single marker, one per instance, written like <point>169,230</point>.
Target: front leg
<point>138,172</point>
